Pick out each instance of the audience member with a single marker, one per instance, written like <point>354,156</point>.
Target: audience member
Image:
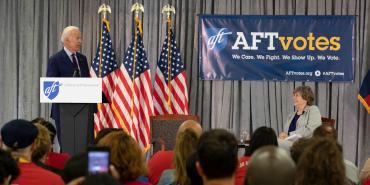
<point>8,168</point>
<point>18,137</point>
<point>103,132</point>
<point>163,160</point>
<point>186,144</point>
<point>48,125</point>
<point>270,165</point>
<point>75,167</point>
<point>217,157</point>
<point>321,163</point>
<point>53,159</point>
<point>41,149</point>
<point>262,136</point>
<point>298,148</point>
<point>328,131</point>
<point>191,170</point>
<point>126,156</point>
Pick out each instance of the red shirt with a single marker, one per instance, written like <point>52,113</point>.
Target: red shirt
<point>57,160</point>
<point>160,161</point>
<point>34,175</point>
<point>242,170</point>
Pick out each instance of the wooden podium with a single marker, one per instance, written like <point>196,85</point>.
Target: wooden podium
<point>164,129</point>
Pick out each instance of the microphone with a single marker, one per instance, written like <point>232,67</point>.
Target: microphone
<point>76,73</point>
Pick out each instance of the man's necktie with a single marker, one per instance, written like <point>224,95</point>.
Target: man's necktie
<point>74,61</point>
<point>76,72</point>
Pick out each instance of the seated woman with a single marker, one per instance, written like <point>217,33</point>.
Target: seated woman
<point>186,145</point>
<point>305,118</point>
<point>126,156</point>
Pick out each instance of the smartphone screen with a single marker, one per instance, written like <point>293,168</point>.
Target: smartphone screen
<point>98,158</point>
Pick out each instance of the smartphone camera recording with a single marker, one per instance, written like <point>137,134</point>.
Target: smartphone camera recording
<point>98,160</point>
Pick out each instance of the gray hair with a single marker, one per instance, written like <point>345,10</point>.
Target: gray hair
<point>66,32</point>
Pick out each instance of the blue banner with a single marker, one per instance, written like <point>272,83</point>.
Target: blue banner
<point>292,48</point>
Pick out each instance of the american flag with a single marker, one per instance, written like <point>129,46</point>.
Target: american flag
<point>170,95</point>
<point>364,94</point>
<point>133,91</point>
<point>105,116</point>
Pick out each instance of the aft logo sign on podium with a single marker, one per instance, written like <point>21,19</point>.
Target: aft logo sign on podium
<point>51,89</point>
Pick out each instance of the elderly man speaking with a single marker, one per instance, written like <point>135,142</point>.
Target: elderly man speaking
<point>68,62</point>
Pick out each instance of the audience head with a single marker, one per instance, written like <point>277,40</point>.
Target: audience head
<point>186,145</point>
<point>306,93</point>
<point>100,179</point>
<point>42,144</point>
<point>270,165</point>
<point>217,155</point>
<point>71,38</point>
<point>262,136</point>
<point>18,136</point>
<point>48,125</point>
<point>325,130</point>
<point>190,124</point>
<point>298,147</point>
<point>191,170</point>
<point>126,155</point>
<point>75,167</point>
<point>103,132</point>
<point>8,168</point>
<point>321,163</point>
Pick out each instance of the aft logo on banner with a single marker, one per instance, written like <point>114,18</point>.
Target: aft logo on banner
<point>285,48</point>
<point>218,38</point>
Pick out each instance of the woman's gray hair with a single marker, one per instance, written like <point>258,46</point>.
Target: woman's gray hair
<point>66,32</point>
<point>306,93</point>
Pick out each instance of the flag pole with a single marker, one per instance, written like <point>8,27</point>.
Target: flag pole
<point>102,9</point>
<point>168,9</point>
<point>137,7</point>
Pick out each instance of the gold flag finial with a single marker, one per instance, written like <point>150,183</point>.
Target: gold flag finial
<point>104,9</point>
<point>168,9</point>
<point>137,7</point>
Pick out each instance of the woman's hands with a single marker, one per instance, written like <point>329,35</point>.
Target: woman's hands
<point>283,135</point>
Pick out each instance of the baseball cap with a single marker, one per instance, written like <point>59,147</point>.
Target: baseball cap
<point>19,133</point>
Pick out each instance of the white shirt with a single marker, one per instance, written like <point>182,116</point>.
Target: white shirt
<point>69,53</point>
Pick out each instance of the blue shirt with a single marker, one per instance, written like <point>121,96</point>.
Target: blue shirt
<point>293,124</point>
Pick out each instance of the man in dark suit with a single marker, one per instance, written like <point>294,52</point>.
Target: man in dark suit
<point>67,63</point>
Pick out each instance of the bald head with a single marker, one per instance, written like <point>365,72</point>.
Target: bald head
<point>190,124</point>
<point>270,165</point>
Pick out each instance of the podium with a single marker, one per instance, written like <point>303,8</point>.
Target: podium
<point>76,126</point>
<point>76,100</point>
<point>164,129</point>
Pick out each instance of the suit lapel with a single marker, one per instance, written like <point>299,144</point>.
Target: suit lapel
<point>65,56</point>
